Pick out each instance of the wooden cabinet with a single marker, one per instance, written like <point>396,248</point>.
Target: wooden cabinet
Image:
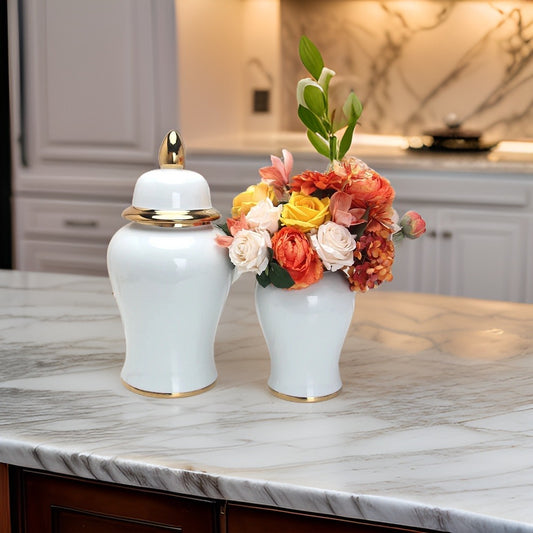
<point>252,519</point>
<point>46,503</point>
<point>5,512</point>
<point>50,503</point>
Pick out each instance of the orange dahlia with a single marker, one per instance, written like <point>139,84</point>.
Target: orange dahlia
<point>374,256</point>
<point>309,181</point>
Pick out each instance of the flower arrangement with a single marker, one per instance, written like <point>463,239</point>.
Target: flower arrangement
<point>289,230</point>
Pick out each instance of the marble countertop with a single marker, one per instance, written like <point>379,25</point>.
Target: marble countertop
<point>433,428</point>
<point>380,151</point>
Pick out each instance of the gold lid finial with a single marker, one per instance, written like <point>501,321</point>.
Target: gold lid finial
<point>171,152</point>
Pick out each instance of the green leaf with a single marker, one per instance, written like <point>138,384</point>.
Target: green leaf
<point>346,140</point>
<point>314,99</point>
<point>338,120</point>
<point>280,277</point>
<point>311,121</point>
<point>310,57</point>
<point>360,228</point>
<point>224,228</point>
<point>263,278</point>
<point>320,144</point>
<point>352,108</point>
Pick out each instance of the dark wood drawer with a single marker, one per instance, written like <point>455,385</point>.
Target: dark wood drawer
<point>252,519</point>
<point>52,503</point>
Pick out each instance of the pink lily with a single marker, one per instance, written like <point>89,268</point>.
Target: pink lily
<point>224,240</point>
<point>277,175</point>
<point>341,213</point>
<point>234,225</point>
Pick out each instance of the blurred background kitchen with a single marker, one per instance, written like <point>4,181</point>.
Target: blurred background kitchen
<point>447,89</point>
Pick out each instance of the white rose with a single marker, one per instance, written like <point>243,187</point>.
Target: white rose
<point>249,251</point>
<point>334,245</point>
<point>264,216</point>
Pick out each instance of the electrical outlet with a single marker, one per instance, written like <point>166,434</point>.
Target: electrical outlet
<point>261,101</point>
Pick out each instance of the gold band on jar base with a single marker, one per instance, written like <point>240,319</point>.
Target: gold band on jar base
<point>167,394</point>
<point>303,399</point>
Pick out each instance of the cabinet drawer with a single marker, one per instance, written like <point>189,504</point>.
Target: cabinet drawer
<point>62,257</point>
<point>64,220</point>
<point>60,504</point>
<point>243,518</point>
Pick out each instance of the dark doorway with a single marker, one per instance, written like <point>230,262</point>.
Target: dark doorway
<point>5,149</point>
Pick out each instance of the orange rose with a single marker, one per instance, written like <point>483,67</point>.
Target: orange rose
<point>292,250</point>
<point>371,191</point>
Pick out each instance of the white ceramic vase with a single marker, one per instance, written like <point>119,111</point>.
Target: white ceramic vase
<point>305,331</point>
<point>170,281</point>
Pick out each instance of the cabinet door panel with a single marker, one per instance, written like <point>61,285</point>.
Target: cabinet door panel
<point>483,254</point>
<point>5,517</point>
<point>245,519</point>
<point>69,521</point>
<point>415,267</point>
<point>90,81</point>
<point>64,505</point>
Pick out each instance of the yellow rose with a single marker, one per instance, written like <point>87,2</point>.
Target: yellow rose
<point>243,202</point>
<point>305,212</point>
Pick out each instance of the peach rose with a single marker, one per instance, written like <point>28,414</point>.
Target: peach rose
<point>305,212</point>
<point>293,251</point>
<point>334,244</point>
<point>264,216</point>
<point>243,202</point>
<point>249,251</point>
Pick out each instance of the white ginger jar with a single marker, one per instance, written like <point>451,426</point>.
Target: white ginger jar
<point>170,279</point>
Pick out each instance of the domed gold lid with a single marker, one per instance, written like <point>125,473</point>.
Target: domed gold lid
<point>171,196</point>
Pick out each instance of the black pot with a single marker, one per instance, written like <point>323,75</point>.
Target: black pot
<point>452,138</point>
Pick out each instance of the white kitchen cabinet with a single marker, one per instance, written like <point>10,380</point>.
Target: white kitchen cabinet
<point>68,258</point>
<point>483,254</point>
<point>415,267</point>
<point>94,91</point>
<point>479,239</point>
<point>65,235</point>
<point>468,252</point>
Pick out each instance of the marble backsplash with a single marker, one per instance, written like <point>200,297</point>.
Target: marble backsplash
<point>413,62</point>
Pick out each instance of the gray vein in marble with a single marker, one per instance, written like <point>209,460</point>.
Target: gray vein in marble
<point>413,63</point>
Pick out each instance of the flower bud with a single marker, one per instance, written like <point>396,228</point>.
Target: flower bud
<point>310,95</point>
<point>413,225</point>
<point>325,77</point>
